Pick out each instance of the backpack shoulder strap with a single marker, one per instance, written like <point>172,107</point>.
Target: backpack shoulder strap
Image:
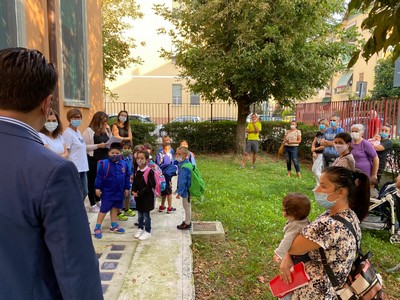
<point>146,174</point>
<point>103,163</point>
<point>187,166</point>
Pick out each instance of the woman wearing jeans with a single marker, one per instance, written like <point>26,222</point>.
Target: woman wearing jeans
<point>292,140</point>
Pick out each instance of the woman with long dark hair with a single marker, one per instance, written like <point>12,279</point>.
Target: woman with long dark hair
<point>343,193</point>
<point>96,137</point>
<point>121,128</point>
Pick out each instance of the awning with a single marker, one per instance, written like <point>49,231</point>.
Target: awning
<point>344,80</point>
<point>326,100</point>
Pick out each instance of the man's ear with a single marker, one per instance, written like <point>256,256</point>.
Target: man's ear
<point>46,104</point>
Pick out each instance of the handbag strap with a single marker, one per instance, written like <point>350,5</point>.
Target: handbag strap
<point>327,268</point>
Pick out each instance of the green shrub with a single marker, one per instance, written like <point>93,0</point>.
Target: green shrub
<point>141,132</point>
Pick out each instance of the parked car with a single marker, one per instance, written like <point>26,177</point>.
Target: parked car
<point>135,117</point>
<point>182,119</point>
<point>219,119</point>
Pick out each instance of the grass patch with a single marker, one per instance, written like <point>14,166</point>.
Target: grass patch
<point>248,203</point>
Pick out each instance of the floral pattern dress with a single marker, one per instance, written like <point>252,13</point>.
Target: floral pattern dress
<point>340,249</point>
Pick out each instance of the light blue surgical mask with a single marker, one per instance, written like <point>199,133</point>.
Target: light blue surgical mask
<point>384,135</point>
<point>321,126</point>
<point>333,123</point>
<point>76,123</point>
<point>322,199</point>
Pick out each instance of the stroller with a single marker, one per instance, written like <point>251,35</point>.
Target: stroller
<point>382,212</point>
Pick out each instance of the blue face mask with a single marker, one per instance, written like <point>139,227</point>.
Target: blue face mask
<point>333,124</point>
<point>76,123</point>
<point>321,126</point>
<point>115,158</point>
<point>322,199</point>
<point>384,135</point>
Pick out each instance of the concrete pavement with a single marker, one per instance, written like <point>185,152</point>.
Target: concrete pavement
<point>157,268</point>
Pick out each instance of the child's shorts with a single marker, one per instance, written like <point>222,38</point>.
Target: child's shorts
<point>107,205</point>
<point>168,189</point>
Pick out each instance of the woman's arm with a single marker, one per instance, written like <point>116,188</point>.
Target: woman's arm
<point>65,154</point>
<point>375,166</point>
<point>301,245</point>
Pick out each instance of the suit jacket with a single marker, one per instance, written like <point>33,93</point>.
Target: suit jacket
<point>46,251</point>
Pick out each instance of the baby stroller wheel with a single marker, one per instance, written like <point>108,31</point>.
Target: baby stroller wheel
<point>395,239</point>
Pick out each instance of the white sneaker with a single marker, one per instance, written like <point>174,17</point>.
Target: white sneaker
<point>145,235</point>
<point>94,209</point>
<point>98,204</point>
<point>138,233</point>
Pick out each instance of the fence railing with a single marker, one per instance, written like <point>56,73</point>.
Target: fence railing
<point>352,112</point>
<point>162,113</point>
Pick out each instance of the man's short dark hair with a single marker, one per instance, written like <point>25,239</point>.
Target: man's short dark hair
<point>26,79</point>
<point>296,205</point>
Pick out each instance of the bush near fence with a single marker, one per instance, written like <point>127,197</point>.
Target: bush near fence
<point>220,137</point>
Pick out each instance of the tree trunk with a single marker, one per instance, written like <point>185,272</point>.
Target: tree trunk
<point>243,112</point>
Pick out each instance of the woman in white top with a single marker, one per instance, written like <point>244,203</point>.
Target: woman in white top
<point>96,137</point>
<point>51,135</point>
<point>292,140</point>
<point>76,146</point>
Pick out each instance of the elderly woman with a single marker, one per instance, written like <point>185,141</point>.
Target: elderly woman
<point>363,152</point>
<point>343,193</point>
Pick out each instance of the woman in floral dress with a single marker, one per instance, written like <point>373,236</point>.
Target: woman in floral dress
<point>345,193</point>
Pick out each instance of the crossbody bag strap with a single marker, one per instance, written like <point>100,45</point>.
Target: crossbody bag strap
<point>327,268</point>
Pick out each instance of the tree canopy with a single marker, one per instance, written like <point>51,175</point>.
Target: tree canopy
<point>384,72</point>
<point>116,15</point>
<point>250,51</point>
<point>383,22</point>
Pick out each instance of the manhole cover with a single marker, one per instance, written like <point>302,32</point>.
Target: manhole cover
<point>204,227</point>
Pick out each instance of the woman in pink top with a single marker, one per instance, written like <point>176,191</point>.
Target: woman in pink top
<point>342,146</point>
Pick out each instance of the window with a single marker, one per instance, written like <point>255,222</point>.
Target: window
<point>8,24</point>
<point>74,52</point>
<point>194,99</point>
<point>177,94</point>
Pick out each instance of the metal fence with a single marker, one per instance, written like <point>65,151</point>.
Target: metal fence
<point>352,112</point>
<point>162,113</point>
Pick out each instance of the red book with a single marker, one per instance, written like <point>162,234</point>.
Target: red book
<point>299,278</point>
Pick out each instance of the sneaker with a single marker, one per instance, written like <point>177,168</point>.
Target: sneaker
<point>98,204</point>
<point>161,208</point>
<point>117,229</point>
<point>129,213</point>
<point>97,233</point>
<point>170,209</point>
<point>145,235</point>
<point>122,217</point>
<point>252,167</point>
<point>184,226</point>
<point>94,209</point>
<point>242,167</point>
<point>138,233</point>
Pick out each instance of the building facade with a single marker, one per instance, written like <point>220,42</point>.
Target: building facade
<point>68,33</point>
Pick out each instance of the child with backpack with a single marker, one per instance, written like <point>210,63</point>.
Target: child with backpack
<point>144,183</point>
<point>165,159</point>
<point>191,158</point>
<point>184,182</point>
<point>127,157</point>
<point>111,185</point>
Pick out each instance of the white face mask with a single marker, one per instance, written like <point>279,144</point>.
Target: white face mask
<point>122,119</point>
<point>141,162</point>
<point>292,126</point>
<point>355,136</point>
<point>179,159</point>
<point>341,148</point>
<point>50,126</point>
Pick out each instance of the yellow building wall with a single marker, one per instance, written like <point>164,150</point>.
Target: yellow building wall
<point>37,37</point>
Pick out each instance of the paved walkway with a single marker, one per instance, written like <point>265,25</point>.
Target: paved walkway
<point>158,268</point>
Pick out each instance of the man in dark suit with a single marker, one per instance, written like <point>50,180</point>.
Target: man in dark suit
<point>46,251</point>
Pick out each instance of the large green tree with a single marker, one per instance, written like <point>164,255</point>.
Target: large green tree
<point>384,73</point>
<point>250,51</point>
<point>383,22</point>
<point>117,16</point>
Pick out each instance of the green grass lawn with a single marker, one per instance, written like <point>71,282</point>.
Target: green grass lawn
<point>248,203</point>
